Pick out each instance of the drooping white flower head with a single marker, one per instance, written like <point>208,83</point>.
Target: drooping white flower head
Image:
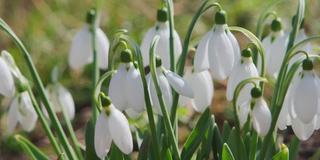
<point>112,126</point>
<point>275,45</point>
<point>21,112</point>
<point>81,51</point>
<point>244,69</point>
<point>163,48</point>
<point>126,88</point>
<point>166,79</point>
<point>60,98</point>
<point>202,86</point>
<point>302,103</point>
<point>217,50</point>
<point>7,87</point>
<point>259,111</point>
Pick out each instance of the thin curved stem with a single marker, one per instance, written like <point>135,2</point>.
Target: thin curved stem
<point>171,30</point>
<point>182,60</point>
<point>168,126</point>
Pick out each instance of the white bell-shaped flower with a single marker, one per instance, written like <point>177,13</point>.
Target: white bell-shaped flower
<point>7,86</point>
<point>202,86</point>
<point>243,70</point>
<point>21,111</point>
<point>261,116</point>
<point>163,48</point>
<point>112,126</point>
<point>259,111</point>
<point>217,50</point>
<point>81,51</point>
<point>275,45</point>
<point>126,88</point>
<point>305,96</point>
<point>166,79</point>
<point>300,37</point>
<point>60,98</point>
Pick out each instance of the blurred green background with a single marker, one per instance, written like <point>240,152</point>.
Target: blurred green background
<point>47,27</point>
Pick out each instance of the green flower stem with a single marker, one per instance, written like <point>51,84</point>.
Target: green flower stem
<point>44,123</point>
<point>253,146</point>
<point>262,21</point>
<point>73,136</point>
<point>171,30</point>
<point>155,142</point>
<point>39,85</point>
<point>95,68</point>
<point>182,60</point>
<point>168,126</point>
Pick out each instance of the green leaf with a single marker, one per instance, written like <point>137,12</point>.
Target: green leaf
<point>33,151</point>
<point>117,154</point>
<point>294,148</point>
<point>236,145</point>
<point>283,154</point>
<point>196,135</point>
<point>226,153</point>
<point>206,144</point>
<point>145,147</point>
<point>216,143</point>
<point>226,131</point>
<point>90,152</point>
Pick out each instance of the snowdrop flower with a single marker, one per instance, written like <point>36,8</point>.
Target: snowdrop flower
<point>275,45</point>
<point>60,98</point>
<point>21,111</point>
<point>302,102</point>
<point>166,79</point>
<point>243,70</point>
<point>81,48</point>
<point>163,48</point>
<point>112,126</point>
<point>7,87</point>
<point>202,86</point>
<point>126,88</point>
<point>259,112</point>
<point>217,50</point>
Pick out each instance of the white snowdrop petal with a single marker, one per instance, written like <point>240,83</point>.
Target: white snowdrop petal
<point>7,87</point>
<point>13,115</point>
<point>53,96</point>
<point>301,130</point>
<point>235,46</point>
<point>163,47</point>
<point>243,70</point>
<point>179,84</point>
<point>202,86</point>
<point>305,97</point>
<point>146,44</point>
<point>120,130</point>
<point>132,113</point>
<point>117,92</point>
<point>102,48</point>
<point>221,58</point>
<point>201,61</point>
<point>66,101</point>
<point>80,51</point>
<point>166,93</point>
<point>27,115</point>
<point>134,90</point>
<point>282,120</point>
<point>177,46</point>
<point>102,136</point>
<point>243,112</point>
<point>261,117</point>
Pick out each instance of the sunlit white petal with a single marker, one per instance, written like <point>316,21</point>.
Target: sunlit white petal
<point>261,117</point>
<point>134,90</point>
<point>27,115</point>
<point>179,84</point>
<point>66,101</point>
<point>201,61</point>
<point>102,136</point>
<point>301,130</point>
<point>13,115</point>
<point>7,87</point>
<point>117,92</point>
<point>235,46</point>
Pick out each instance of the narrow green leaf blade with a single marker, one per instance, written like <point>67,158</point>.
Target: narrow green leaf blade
<point>89,137</point>
<point>226,153</point>
<point>196,135</point>
<point>283,154</point>
<point>33,151</point>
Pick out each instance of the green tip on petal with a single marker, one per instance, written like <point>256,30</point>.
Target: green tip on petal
<point>91,14</point>
<point>221,17</point>
<point>158,61</point>
<point>276,25</point>
<point>246,53</point>
<point>105,101</point>
<point>126,56</point>
<point>307,65</point>
<point>135,64</point>
<point>162,15</point>
<point>256,92</point>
